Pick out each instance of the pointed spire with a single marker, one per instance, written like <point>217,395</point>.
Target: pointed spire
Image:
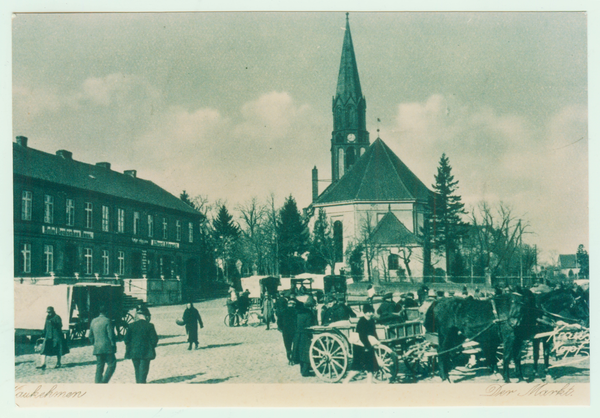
<point>348,81</point>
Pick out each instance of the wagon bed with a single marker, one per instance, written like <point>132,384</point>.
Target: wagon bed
<point>331,347</point>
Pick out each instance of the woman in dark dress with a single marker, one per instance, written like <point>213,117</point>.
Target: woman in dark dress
<point>191,319</point>
<point>54,339</point>
<point>364,359</point>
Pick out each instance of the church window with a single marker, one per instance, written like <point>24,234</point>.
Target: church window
<point>349,117</point>
<point>362,151</point>
<point>393,262</point>
<point>338,239</point>
<point>340,163</point>
<point>350,157</point>
<point>338,118</point>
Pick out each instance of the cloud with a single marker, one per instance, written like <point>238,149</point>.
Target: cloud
<point>537,167</point>
<point>270,117</point>
<point>31,102</point>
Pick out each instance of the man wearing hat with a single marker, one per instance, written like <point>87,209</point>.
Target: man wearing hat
<point>431,296</point>
<point>286,324</point>
<point>340,311</point>
<point>305,319</point>
<point>386,309</point>
<point>410,301</point>
<point>140,343</point>
<point>422,293</point>
<point>326,310</point>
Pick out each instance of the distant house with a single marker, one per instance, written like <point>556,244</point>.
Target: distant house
<point>567,263</point>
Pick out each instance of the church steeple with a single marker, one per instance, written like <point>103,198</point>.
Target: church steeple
<point>349,138</point>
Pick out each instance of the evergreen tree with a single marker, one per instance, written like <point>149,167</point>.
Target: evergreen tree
<point>322,250</point>
<point>292,234</point>
<point>185,198</point>
<point>583,261</point>
<point>447,225</point>
<point>226,233</point>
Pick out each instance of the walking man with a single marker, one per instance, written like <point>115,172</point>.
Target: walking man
<point>102,336</point>
<point>140,342</point>
<point>191,319</point>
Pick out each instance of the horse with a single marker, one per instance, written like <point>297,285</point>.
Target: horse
<point>502,319</point>
<point>559,304</point>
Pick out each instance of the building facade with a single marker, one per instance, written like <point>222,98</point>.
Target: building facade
<point>370,185</point>
<point>76,221</point>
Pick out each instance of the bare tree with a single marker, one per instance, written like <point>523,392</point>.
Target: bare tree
<point>254,216</point>
<point>371,250</point>
<point>496,237</point>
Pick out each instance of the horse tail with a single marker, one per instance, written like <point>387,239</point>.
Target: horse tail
<point>429,322</point>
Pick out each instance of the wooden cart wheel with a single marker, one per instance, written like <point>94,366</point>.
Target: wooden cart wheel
<point>388,364</point>
<point>420,359</point>
<point>123,325</point>
<point>328,357</point>
<point>77,331</point>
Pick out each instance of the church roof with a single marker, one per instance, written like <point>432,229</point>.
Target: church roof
<point>65,171</point>
<point>380,176</point>
<point>348,81</point>
<point>567,261</point>
<point>390,231</point>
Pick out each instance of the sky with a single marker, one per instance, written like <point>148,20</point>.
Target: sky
<point>238,105</point>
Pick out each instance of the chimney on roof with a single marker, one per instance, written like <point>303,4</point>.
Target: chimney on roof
<point>22,141</point>
<point>103,165</point>
<point>67,155</point>
<point>132,173</point>
<point>315,184</point>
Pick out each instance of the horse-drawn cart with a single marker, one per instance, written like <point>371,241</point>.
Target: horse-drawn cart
<point>331,347</point>
<point>77,305</point>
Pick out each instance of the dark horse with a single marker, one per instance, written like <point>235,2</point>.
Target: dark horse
<point>499,320</point>
<point>561,304</point>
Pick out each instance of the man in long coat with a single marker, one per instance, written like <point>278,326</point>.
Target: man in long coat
<point>102,336</point>
<point>140,342</point>
<point>286,323</point>
<point>191,319</point>
<point>306,318</point>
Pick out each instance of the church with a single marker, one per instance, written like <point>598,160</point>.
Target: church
<point>374,199</point>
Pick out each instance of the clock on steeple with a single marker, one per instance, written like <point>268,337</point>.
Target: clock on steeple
<point>349,136</point>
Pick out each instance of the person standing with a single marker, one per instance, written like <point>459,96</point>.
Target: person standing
<point>140,343</point>
<point>232,306</point>
<point>102,336</point>
<point>364,358</point>
<point>286,323</point>
<point>267,311</point>
<point>54,339</point>
<point>191,319</point>
<point>385,311</point>
<point>305,319</point>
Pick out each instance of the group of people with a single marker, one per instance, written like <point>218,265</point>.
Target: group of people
<point>141,340</point>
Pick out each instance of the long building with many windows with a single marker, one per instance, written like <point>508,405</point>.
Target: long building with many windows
<point>76,221</point>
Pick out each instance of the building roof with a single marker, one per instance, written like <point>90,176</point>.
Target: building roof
<point>390,231</point>
<point>380,176</point>
<point>567,261</point>
<point>348,82</point>
<point>65,171</point>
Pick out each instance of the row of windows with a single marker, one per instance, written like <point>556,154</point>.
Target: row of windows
<point>26,210</point>
<point>88,256</point>
<point>111,262</point>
